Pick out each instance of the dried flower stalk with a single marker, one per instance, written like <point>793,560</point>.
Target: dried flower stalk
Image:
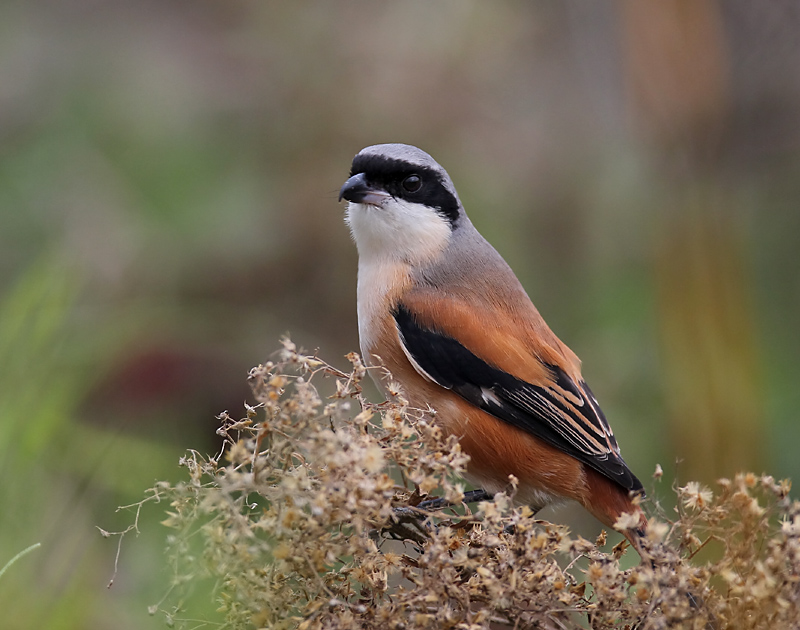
<point>298,518</point>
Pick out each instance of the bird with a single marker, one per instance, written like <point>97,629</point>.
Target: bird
<point>441,309</point>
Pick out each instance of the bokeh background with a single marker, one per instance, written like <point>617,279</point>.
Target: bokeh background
<point>168,180</point>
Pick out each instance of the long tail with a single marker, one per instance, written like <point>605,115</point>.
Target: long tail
<point>608,501</point>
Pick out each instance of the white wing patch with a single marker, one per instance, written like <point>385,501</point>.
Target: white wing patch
<point>489,397</point>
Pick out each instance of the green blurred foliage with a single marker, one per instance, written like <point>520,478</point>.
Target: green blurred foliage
<point>168,182</point>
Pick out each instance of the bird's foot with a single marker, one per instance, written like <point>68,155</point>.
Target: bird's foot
<point>440,503</point>
<point>410,522</point>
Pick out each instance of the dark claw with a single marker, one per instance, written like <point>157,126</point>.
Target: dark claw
<point>473,496</point>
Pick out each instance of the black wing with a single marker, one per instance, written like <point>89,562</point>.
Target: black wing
<point>564,414</point>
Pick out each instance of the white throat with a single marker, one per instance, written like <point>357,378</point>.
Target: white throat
<point>397,232</point>
<point>392,239</point>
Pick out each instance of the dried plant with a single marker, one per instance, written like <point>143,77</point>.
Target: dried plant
<point>312,516</point>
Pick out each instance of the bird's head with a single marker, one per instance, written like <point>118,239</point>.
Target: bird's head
<point>403,205</point>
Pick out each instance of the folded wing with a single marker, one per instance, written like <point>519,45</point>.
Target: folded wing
<point>555,407</point>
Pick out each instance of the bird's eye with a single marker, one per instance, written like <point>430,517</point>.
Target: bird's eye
<point>412,183</point>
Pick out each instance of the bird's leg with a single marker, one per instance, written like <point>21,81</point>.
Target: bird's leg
<point>432,505</point>
<point>408,521</point>
<point>473,496</point>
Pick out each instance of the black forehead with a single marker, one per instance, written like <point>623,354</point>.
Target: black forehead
<point>381,168</point>
<point>388,173</point>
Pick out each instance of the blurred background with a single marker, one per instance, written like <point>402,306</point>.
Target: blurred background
<point>168,179</point>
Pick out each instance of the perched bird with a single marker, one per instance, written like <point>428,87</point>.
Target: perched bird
<point>442,310</point>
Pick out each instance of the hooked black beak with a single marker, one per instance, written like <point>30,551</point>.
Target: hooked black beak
<point>357,190</point>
